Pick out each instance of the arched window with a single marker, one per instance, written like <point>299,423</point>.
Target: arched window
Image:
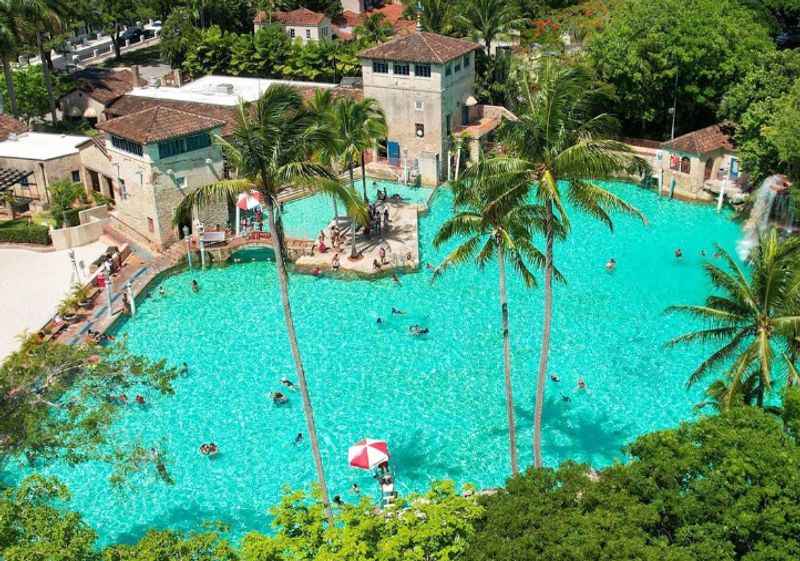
<point>686,165</point>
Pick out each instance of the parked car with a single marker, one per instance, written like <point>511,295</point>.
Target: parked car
<point>131,34</point>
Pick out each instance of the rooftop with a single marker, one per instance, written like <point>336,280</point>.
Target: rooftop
<point>9,124</point>
<point>221,90</point>
<point>158,123</point>
<point>105,85</point>
<point>714,137</point>
<point>41,146</point>
<point>300,16</point>
<point>421,47</point>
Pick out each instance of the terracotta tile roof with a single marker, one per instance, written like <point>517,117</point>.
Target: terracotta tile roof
<point>105,85</point>
<point>158,123</point>
<point>9,124</point>
<point>130,104</point>
<point>300,16</point>
<point>421,47</point>
<point>347,19</point>
<point>703,141</point>
<point>641,142</point>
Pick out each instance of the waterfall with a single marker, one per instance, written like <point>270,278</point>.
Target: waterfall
<point>758,222</point>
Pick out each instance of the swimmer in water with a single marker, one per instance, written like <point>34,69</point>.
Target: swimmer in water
<point>355,489</point>
<point>195,286</point>
<point>395,278</point>
<point>565,397</point>
<point>555,378</point>
<point>379,320</point>
<point>581,383</point>
<point>162,292</point>
<point>298,439</point>
<point>702,253</point>
<point>288,383</point>
<point>678,253</point>
<point>397,312</point>
<point>611,264</point>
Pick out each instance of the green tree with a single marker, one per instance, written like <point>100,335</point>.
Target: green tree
<point>169,545</point>
<point>657,51</point>
<point>560,145</point>
<point>493,220</point>
<point>751,103</point>
<point>31,91</point>
<point>272,48</point>
<point>117,15</point>
<point>178,37</point>
<point>64,195</point>
<point>271,148</point>
<point>489,19</point>
<point>721,489</point>
<point>211,54</point>
<point>357,127</point>
<point>8,47</point>
<point>373,29</point>
<point>56,404</point>
<point>436,16</point>
<point>749,319</point>
<point>433,526</point>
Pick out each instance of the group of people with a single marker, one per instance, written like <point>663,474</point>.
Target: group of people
<point>580,386</point>
<point>337,239</point>
<point>280,398</point>
<point>209,449</point>
<point>611,264</point>
<point>123,399</point>
<point>98,337</point>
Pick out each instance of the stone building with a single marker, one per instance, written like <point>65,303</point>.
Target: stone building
<point>424,82</point>
<point>302,24</point>
<point>696,165</point>
<point>160,154</point>
<point>96,90</point>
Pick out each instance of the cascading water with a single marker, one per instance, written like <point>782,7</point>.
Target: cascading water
<point>758,223</point>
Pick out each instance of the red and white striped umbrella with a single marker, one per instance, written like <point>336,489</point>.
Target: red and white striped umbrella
<point>249,200</point>
<point>368,453</point>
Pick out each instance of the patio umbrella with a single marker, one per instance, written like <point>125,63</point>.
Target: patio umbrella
<point>247,201</point>
<point>368,453</point>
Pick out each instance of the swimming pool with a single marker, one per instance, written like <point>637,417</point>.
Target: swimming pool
<point>437,400</point>
<point>304,218</point>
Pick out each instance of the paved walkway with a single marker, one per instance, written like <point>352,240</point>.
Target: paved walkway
<point>32,283</point>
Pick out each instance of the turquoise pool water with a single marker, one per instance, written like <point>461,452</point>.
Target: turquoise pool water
<point>438,400</point>
<point>304,218</point>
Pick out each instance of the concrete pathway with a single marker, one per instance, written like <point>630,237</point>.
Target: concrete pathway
<point>32,283</point>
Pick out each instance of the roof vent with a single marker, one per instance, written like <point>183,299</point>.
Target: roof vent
<point>225,88</point>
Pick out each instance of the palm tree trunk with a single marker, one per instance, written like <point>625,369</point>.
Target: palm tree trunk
<point>46,74</point>
<point>512,428</point>
<point>458,159</point>
<point>364,178</point>
<point>353,253</point>
<point>283,281</point>
<point>545,350</point>
<point>12,94</point>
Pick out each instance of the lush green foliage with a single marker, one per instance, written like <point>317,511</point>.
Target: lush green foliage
<point>64,195</point>
<point>724,488</point>
<point>269,53</point>
<point>707,44</point>
<point>31,91</point>
<point>20,231</point>
<point>57,403</point>
<point>178,36</point>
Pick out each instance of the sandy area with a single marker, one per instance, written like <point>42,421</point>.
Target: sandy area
<point>31,286</point>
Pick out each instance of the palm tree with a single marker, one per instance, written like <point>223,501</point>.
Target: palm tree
<point>749,319</point>
<point>490,18</point>
<point>8,47</point>
<point>42,17</point>
<point>358,126</point>
<point>492,218</point>
<point>436,16</point>
<point>272,148</point>
<point>560,144</point>
<point>373,29</point>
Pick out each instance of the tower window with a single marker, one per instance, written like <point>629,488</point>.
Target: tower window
<point>401,69</point>
<point>380,67</point>
<point>422,70</point>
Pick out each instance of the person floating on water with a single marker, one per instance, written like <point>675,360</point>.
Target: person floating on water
<point>209,449</point>
<point>678,253</point>
<point>337,500</point>
<point>397,312</point>
<point>195,286</point>
<point>288,383</point>
<point>417,330</point>
<point>184,368</point>
<point>298,439</point>
<point>379,320</point>
<point>139,399</point>
<point>555,378</point>
<point>611,264</point>
<point>355,489</point>
<point>278,398</point>
<point>702,253</point>
<point>581,383</point>
<point>161,291</point>
<point>565,397</point>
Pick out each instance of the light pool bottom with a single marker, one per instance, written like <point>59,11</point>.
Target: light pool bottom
<point>438,400</point>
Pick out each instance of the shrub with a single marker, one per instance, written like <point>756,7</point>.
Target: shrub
<point>18,231</point>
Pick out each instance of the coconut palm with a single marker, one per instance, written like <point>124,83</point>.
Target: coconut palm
<point>492,219</point>
<point>436,16</point>
<point>489,19</point>
<point>272,147</point>
<point>358,126</point>
<point>41,17</point>
<point>560,144</point>
<point>8,47</point>
<point>748,319</point>
<point>374,28</point>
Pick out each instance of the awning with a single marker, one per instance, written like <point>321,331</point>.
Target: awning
<point>10,177</point>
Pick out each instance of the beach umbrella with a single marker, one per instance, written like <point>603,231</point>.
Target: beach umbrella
<point>368,453</point>
<point>247,201</point>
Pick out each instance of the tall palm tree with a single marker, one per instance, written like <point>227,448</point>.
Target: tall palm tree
<point>749,319</point>
<point>493,219</point>
<point>373,29</point>
<point>490,19</point>
<point>42,17</point>
<point>436,16</point>
<point>560,144</point>
<point>358,126</point>
<point>272,148</point>
<point>8,47</point>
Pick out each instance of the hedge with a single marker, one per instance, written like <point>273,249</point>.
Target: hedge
<point>17,231</point>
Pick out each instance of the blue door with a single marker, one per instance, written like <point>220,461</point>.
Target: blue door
<point>393,153</point>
